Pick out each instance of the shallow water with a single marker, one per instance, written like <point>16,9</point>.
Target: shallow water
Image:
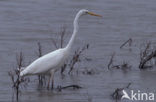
<point>23,23</point>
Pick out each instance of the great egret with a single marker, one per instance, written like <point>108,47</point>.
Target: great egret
<point>52,61</point>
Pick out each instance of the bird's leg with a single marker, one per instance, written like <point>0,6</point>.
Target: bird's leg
<point>48,82</point>
<point>52,78</point>
<point>52,82</point>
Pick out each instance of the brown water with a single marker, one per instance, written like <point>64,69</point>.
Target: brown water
<point>25,22</point>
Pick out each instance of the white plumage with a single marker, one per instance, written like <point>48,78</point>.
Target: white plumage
<point>45,63</point>
<point>52,61</point>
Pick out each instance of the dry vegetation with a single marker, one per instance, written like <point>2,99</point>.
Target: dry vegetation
<point>129,42</point>
<point>124,66</point>
<point>17,81</point>
<point>147,55</point>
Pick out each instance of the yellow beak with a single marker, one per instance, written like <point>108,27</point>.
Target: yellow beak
<point>93,14</point>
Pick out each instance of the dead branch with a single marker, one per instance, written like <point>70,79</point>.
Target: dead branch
<point>124,66</point>
<point>146,56</point>
<point>129,84</point>
<point>62,33</point>
<point>76,57</point>
<point>111,60</point>
<point>69,86</point>
<point>39,49</point>
<point>63,68</point>
<point>145,52</point>
<point>15,75</point>
<point>54,43</point>
<point>129,41</point>
<point>146,59</point>
<point>19,59</point>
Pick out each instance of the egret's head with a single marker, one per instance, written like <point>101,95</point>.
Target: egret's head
<point>85,12</point>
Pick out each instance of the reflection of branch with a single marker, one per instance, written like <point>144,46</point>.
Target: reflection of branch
<point>128,41</point>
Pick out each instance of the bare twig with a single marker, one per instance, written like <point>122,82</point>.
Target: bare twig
<point>145,52</point>
<point>15,75</point>
<point>54,43</point>
<point>111,60</point>
<point>39,49</point>
<point>19,59</point>
<point>146,56</point>
<point>129,84</point>
<point>129,41</point>
<point>62,33</point>
<point>69,86</point>
<point>63,68</point>
<point>146,59</point>
<point>122,66</point>
<point>76,57</point>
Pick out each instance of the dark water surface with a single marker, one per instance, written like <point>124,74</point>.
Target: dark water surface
<point>23,23</point>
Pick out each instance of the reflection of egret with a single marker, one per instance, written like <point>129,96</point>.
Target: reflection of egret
<point>50,62</point>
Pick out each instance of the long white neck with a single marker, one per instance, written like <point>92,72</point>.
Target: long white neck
<point>76,27</point>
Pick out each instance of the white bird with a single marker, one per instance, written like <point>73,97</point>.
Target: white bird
<point>51,62</point>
